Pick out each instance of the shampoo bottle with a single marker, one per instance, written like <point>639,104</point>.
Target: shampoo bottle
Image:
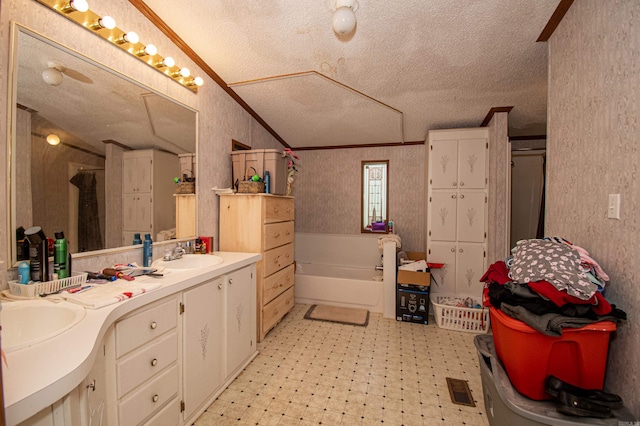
<point>60,256</point>
<point>147,251</point>
<point>267,182</point>
<point>136,239</point>
<point>38,253</point>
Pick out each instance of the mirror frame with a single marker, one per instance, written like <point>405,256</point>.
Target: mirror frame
<point>363,229</point>
<point>16,28</point>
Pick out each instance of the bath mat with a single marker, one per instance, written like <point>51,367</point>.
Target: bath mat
<point>460,392</point>
<point>351,316</point>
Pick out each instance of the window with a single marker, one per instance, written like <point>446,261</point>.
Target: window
<point>375,200</point>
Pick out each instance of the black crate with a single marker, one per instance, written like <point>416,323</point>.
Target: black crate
<point>412,304</point>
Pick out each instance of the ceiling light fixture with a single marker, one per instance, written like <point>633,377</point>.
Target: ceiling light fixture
<point>149,49</point>
<point>53,139</point>
<point>105,22</point>
<point>129,37</point>
<point>344,17</point>
<point>52,76</point>
<point>76,6</point>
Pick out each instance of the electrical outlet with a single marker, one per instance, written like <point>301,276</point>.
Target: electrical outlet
<point>613,210</point>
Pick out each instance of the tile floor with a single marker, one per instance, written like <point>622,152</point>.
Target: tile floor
<point>313,372</point>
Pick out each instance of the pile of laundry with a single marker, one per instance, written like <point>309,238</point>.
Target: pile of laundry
<point>549,284</point>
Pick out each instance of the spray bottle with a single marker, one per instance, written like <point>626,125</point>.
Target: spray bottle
<point>60,256</point>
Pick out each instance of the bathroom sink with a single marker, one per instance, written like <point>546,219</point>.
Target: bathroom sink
<point>28,322</point>
<point>191,261</point>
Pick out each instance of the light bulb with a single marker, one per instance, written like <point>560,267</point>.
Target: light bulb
<point>184,72</point>
<point>198,81</point>
<point>52,76</point>
<point>76,6</point>
<point>53,139</point>
<point>166,62</point>
<point>129,37</point>
<point>149,49</point>
<point>105,22</point>
<point>344,20</point>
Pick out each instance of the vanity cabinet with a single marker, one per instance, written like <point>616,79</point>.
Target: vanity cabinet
<point>240,322</point>
<point>148,202</point>
<point>457,208</point>
<point>144,363</point>
<point>263,223</point>
<point>202,342</point>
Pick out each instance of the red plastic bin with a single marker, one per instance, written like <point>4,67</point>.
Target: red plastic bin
<point>578,357</point>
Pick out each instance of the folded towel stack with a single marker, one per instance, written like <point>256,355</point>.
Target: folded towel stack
<point>108,294</point>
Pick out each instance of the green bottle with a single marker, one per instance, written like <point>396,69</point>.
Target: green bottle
<point>60,256</point>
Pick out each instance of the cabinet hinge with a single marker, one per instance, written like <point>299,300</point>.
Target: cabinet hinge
<point>181,308</point>
<point>430,181</point>
<point>484,253</point>
<point>429,251</point>
<point>182,406</point>
<point>487,145</point>
<point>429,233</point>
<point>486,181</point>
<point>431,147</point>
<point>485,235</point>
<point>485,199</point>
<point>429,199</point>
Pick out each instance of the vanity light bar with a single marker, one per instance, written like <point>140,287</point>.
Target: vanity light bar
<point>127,41</point>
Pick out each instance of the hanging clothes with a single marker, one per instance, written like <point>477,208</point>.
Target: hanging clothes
<point>89,237</point>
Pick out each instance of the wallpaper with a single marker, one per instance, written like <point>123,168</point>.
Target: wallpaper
<point>328,191</point>
<point>499,200</point>
<point>593,151</point>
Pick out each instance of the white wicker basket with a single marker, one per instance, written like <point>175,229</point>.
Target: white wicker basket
<point>35,289</point>
<point>471,320</point>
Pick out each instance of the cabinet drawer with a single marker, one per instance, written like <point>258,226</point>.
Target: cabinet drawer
<point>276,234</point>
<point>168,416</point>
<point>276,309</point>
<point>276,259</point>
<point>277,283</point>
<point>142,327</point>
<point>146,362</point>
<point>148,399</point>
<point>277,209</point>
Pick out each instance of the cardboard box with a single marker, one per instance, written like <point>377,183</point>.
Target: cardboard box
<point>422,279</point>
<point>412,305</point>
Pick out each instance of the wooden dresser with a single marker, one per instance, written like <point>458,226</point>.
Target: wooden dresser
<point>263,223</point>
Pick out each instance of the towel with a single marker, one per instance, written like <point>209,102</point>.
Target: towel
<point>108,294</point>
<point>389,238</point>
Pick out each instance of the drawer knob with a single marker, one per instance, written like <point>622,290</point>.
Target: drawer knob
<point>276,260</point>
<point>154,362</point>
<point>462,196</point>
<point>276,235</point>
<point>230,280</point>
<point>275,210</point>
<point>154,325</point>
<point>155,398</point>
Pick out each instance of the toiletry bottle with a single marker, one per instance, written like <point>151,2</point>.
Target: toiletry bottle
<point>60,256</point>
<point>198,246</point>
<point>267,182</point>
<point>22,245</point>
<point>24,272</point>
<point>38,253</point>
<point>136,239</point>
<point>147,251</point>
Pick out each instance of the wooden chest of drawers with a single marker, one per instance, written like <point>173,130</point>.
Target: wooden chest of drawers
<point>263,223</point>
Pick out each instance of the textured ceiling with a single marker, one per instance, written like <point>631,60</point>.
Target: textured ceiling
<point>410,65</point>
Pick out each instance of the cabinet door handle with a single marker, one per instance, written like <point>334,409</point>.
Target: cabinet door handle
<point>154,325</point>
<point>154,362</point>
<point>455,183</point>
<point>230,281</point>
<point>288,233</point>
<point>453,196</point>
<point>461,251</point>
<point>461,183</point>
<point>462,196</point>
<point>453,250</point>
<point>288,209</point>
<point>220,286</point>
<point>155,398</point>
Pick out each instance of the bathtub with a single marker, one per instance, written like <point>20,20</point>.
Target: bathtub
<point>344,286</point>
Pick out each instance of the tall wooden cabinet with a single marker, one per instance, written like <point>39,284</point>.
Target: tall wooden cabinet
<point>457,208</point>
<point>263,223</point>
<point>147,186</point>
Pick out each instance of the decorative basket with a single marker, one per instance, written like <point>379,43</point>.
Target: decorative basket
<point>33,290</point>
<point>249,186</point>
<point>187,184</point>
<point>470,320</point>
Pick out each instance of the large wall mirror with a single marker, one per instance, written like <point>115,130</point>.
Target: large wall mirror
<point>98,116</point>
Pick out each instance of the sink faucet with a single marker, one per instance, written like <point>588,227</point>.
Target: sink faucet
<point>177,253</point>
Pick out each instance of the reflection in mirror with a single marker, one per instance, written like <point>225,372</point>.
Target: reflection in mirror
<point>375,199</point>
<point>77,185</point>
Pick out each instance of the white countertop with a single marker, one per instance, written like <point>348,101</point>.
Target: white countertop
<point>37,376</point>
